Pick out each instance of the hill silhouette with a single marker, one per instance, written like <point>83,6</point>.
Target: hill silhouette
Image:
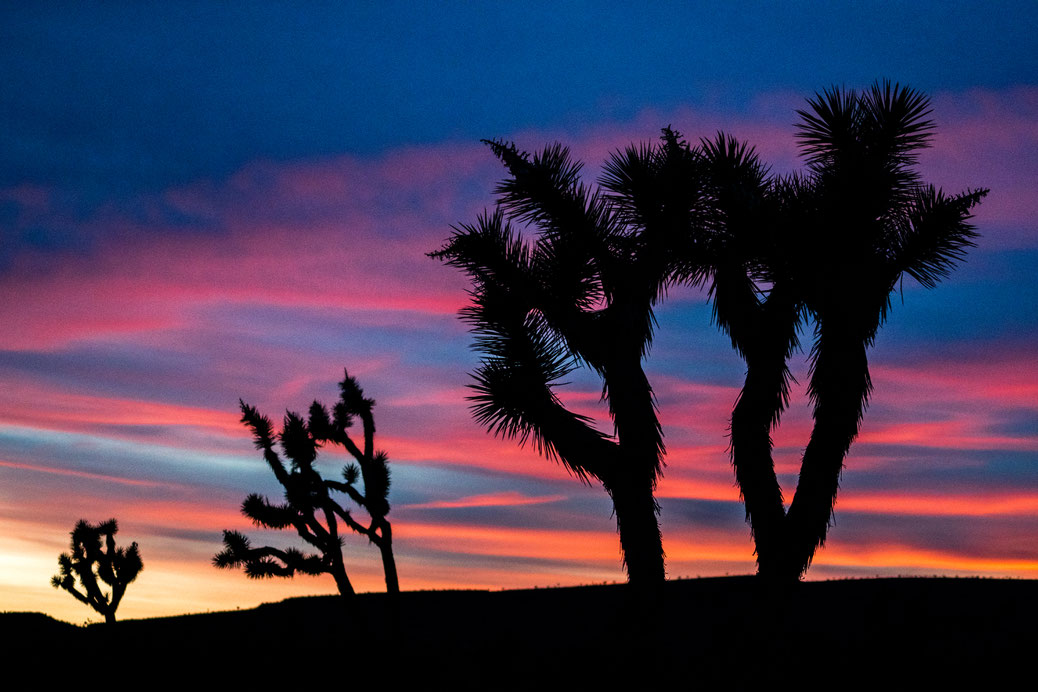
<point>718,630</point>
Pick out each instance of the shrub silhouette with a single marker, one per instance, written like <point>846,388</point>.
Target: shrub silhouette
<point>310,507</point>
<point>94,557</point>
<point>581,295</point>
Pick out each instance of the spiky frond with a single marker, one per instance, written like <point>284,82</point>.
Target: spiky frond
<point>236,549</point>
<point>261,426</point>
<point>542,189</point>
<point>491,252</point>
<point>266,567</point>
<point>353,396</point>
<point>296,441</point>
<point>129,564</point>
<point>895,122</point>
<point>320,423</point>
<point>734,168</point>
<point>350,473</point>
<point>831,125</point>
<point>577,228</point>
<point>657,194</point>
<point>342,417</point>
<point>305,563</point>
<point>264,514</point>
<point>632,178</point>
<point>377,477</point>
<point>937,234</point>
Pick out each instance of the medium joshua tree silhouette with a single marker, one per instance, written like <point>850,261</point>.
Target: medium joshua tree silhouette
<point>94,557</point>
<point>310,507</point>
<point>581,295</point>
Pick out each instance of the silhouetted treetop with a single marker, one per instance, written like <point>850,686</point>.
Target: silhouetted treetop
<point>310,506</point>
<point>93,557</point>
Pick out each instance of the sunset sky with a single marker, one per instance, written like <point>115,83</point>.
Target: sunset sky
<point>203,203</point>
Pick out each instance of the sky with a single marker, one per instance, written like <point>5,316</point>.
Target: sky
<point>203,202</point>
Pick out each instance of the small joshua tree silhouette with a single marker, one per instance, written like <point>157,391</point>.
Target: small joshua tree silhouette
<point>309,505</point>
<point>94,556</point>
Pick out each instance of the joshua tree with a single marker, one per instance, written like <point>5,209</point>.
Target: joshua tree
<point>581,295</point>
<point>755,302</point>
<point>871,221</point>
<point>834,243</point>
<point>728,213</point>
<point>94,556</point>
<point>309,505</point>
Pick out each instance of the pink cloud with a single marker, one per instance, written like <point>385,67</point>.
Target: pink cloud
<point>508,498</point>
<point>135,482</point>
<point>51,408</point>
<point>973,504</point>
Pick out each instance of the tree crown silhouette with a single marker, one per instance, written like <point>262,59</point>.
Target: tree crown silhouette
<point>94,560</point>
<point>311,506</point>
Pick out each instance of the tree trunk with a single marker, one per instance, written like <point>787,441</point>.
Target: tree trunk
<point>840,385</point>
<point>758,406</point>
<point>765,334</point>
<point>636,521</point>
<point>342,581</point>
<point>632,481</point>
<point>388,561</point>
<point>385,545</point>
<point>109,617</point>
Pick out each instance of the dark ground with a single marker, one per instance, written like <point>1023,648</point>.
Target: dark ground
<point>719,633</point>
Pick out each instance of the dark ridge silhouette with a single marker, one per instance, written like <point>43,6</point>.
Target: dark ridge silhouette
<point>890,633</point>
<point>581,295</point>
<point>309,505</point>
<point>94,557</point>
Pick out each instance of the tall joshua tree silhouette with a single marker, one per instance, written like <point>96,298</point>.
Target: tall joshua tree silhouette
<point>871,220</point>
<point>310,506</point>
<point>833,244</point>
<point>94,557</point>
<point>581,295</point>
